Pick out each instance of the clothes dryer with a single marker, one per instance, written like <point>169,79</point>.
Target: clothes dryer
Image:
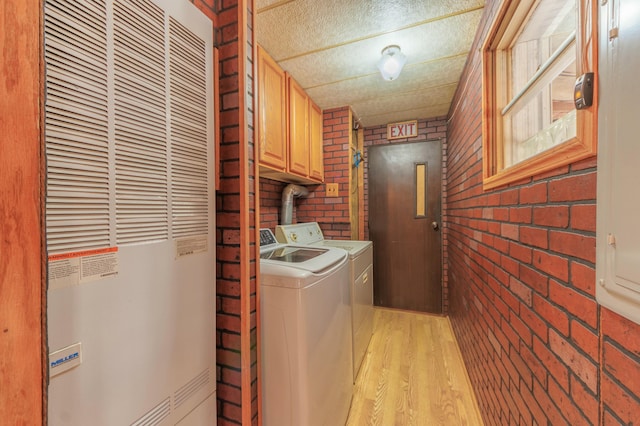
<point>361,279</point>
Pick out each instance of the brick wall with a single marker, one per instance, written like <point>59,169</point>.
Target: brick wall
<point>332,213</point>
<point>428,129</point>
<point>236,221</point>
<point>271,202</point>
<point>537,346</point>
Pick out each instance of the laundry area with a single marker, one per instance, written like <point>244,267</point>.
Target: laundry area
<point>309,213</point>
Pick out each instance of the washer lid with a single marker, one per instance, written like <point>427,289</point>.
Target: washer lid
<point>292,254</point>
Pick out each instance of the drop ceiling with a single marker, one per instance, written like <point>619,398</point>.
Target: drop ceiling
<point>331,48</point>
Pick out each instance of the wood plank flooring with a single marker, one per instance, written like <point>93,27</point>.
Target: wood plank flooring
<point>413,374</point>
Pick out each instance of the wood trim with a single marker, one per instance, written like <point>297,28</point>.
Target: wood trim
<point>216,114</point>
<point>257,171</point>
<point>245,217</point>
<point>561,155</point>
<point>584,145</point>
<point>22,275</point>
<point>361,214</point>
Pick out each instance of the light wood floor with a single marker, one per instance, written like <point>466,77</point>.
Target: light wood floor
<point>413,374</point>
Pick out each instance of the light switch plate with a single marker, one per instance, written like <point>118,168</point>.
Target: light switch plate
<point>332,190</point>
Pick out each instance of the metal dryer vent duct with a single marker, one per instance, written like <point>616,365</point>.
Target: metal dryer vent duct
<point>290,191</point>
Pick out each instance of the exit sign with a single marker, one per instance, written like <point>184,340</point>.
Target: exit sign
<point>406,129</point>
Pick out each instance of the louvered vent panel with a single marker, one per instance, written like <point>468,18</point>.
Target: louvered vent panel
<point>77,205</point>
<point>189,183</point>
<point>140,125</point>
<point>191,388</point>
<point>156,415</point>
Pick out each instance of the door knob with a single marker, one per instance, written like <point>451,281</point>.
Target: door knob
<point>435,225</point>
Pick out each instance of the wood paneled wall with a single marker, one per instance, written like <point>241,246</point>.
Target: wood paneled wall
<point>21,251</point>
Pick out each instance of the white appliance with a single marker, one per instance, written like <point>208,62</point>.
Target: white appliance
<point>305,333</point>
<point>130,213</point>
<point>361,279</point>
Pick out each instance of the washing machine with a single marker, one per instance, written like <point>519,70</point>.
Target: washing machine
<point>305,334</point>
<point>361,279</point>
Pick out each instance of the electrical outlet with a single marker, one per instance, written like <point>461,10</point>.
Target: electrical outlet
<point>332,190</point>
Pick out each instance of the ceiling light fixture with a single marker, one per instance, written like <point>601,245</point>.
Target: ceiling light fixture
<point>391,62</point>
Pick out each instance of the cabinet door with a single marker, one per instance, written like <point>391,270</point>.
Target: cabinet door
<point>272,112</point>
<point>316,159</point>
<point>298,130</point>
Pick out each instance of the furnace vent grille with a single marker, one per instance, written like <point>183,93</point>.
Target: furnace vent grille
<point>76,114</point>
<point>127,126</point>
<point>185,392</point>
<point>140,123</point>
<point>156,415</point>
<point>189,179</point>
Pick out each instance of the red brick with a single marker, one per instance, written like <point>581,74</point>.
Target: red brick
<point>566,405</point>
<point>520,214</point>
<point>573,188</point>
<point>553,216</point>
<point>585,400</point>
<point>509,231</point>
<point>580,246</point>
<point>230,414</point>
<point>520,290</point>
<point>230,376</point>
<point>553,415</point>
<point>520,252</point>
<point>622,367</point>
<point>535,237</point>
<point>609,420</point>
<point>534,364</point>
<point>581,366</point>
<point>534,279</point>
<point>509,197</point>
<point>554,366</point>
<point>533,321</point>
<point>555,266</point>
<point>534,194</point>
<point>510,265</point>
<point>521,328</point>
<point>536,411</point>
<point>585,339</point>
<point>589,163</point>
<point>583,278</point>
<point>551,314</point>
<point>616,399</point>
<point>574,302</point>
<point>621,330</point>
<point>583,217</point>
<point>230,358</point>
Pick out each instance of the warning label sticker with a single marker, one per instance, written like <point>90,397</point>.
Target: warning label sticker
<point>68,269</point>
<point>191,245</point>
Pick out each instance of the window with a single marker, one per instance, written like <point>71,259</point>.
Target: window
<point>532,56</point>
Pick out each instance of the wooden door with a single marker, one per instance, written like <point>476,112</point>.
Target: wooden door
<point>404,225</point>
<point>272,110</point>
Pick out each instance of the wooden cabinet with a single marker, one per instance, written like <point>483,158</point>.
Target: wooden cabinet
<point>298,129</point>
<point>289,127</point>
<point>272,112</point>
<point>316,154</point>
